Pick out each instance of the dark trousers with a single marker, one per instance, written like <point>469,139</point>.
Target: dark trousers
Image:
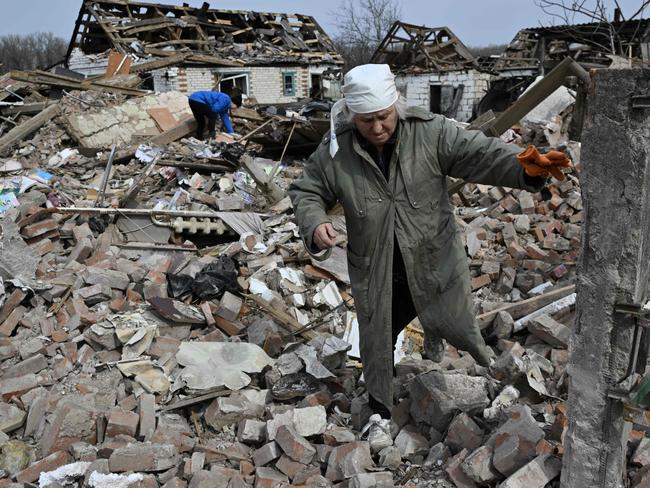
<point>201,112</point>
<point>403,312</point>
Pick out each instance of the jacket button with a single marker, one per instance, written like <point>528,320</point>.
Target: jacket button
<point>379,200</point>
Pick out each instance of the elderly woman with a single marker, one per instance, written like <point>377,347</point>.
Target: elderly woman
<point>387,164</point>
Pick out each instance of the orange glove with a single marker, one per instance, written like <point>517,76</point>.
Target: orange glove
<point>536,164</point>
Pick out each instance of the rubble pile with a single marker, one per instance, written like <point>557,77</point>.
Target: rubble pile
<point>163,326</point>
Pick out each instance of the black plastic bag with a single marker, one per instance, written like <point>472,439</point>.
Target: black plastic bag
<point>215,279</point>
<point>179,286</point>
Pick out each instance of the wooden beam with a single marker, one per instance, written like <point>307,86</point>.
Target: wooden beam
<point>181,130</point>
<point>25,109</point>
<point>270,189</point>
<point>27,128</point>
<point>285,320</point>
<point>159,63</point>
<point>525,307</point>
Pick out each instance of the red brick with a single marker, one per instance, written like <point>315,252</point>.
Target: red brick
<point>8,326</point>
<point>480,281</point>
<point>207,311</point>
<point>43,247</point>
<point>50,463</point>
<point>230,328</point>
<point>121,422</point>
<point>11,303</point>
<point>39,228</point>
<point>59,335</point>
<point>516,251</point>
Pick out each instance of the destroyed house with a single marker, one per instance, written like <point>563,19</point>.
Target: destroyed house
<point>273,57</point>
<point>434,69</point>
<point>536,51</point>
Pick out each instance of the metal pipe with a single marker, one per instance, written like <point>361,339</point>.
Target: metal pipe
<point>133,211</point>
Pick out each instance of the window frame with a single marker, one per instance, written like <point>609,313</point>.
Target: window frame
<point>292,92</point>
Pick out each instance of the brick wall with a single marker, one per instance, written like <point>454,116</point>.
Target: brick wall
<point>417,89</point>
<point>264,83</point>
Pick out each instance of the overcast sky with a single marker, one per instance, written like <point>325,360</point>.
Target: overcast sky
<point>476,22</point>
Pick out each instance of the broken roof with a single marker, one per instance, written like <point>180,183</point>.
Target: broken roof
<point>212,36</point>
<point>409,47</point>
<point>591,44</point>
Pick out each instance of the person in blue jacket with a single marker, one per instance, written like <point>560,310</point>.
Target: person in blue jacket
<point>211,105</point>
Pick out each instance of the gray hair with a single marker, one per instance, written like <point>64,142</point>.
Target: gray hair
<point>347,115</point>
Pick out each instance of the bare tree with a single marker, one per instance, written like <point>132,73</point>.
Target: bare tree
<point>613,19</point>
<point>31,51</point>
<point>362,25</point>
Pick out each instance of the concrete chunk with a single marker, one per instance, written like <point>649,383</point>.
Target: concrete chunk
<point>229,306</point>
<point>147,412</point>
<point>11,417</point>
<point>306,421</point>
<point>143,457</point>
<point>550,331</point>
<point>372,480</point>
<point>348,460</point>
<point>267,453</point>
<point>478,466</point>
<point>536,474</point>
<point>251,431</point>
<point>409,442</point>
<point>99,276</point>
<point>436,397</point>
<point>269,478</point>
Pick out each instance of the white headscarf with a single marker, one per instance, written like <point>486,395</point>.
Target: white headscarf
<point>367,88</point>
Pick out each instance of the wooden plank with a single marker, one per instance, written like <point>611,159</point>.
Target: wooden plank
<point>524,307</point>
<point>159,63</point>
<point>44,78</point>
<point>118,64</point>
<point>27,128</point>
<point>180,130</point>
<point>25,109</point>
<point>194,400</point>
<point>284,319</point>
<point>270,189</point>
<point>163,118</point>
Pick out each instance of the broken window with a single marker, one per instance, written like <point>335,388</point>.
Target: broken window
<point>316,86</point>
<point>289,84</point>
<point>236,86</point>
<point>445,99</point>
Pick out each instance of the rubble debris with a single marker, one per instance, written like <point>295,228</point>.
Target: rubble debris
<point>137,338</point>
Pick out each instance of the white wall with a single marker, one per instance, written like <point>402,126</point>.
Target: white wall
<point>264,83</point>
<point>418,92</point>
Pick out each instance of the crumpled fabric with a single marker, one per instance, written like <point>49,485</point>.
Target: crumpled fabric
<point>367,88</point>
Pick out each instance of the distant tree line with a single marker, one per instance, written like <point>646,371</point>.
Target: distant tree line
<point>30,51</point>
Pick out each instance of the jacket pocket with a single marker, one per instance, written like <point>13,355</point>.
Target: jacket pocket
<point>448,260</point>
<point>358,270</point>
<point>423,188</point>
